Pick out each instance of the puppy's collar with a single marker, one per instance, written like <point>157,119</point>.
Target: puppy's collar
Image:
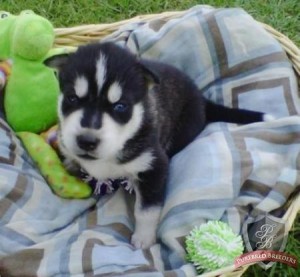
<point>103,187</point>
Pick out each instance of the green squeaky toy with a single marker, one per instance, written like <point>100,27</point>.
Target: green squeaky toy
<point>213,245</point>
<point>32,89</point>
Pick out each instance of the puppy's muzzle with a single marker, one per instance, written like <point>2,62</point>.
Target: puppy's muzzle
<point>87,142</point>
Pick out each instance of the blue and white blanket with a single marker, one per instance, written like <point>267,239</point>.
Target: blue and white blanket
<point>229,172</point>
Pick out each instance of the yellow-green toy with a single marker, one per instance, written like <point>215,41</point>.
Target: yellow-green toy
<point>62,183</point>
<point>32,89</point>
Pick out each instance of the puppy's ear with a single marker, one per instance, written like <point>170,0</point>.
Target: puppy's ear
<point>57,62</point>
<point>149,72</point>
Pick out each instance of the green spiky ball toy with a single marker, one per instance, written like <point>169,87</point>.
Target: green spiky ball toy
<point>213,245</point>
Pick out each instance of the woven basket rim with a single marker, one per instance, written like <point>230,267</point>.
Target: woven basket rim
<point>81,34</point>
<point>78,35</point>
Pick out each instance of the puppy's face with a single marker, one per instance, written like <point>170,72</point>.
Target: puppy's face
<point>101,105</point>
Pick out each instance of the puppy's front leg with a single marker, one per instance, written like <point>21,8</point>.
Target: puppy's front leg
<point>150,193</point>
<point>146,221</point>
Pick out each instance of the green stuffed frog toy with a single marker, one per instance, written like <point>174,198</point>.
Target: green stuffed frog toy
<point>32,88</point>
<point>31,94</point>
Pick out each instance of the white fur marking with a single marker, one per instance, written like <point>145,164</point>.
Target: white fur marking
<point>114,93</point>
<point>101,71</point>
<point>59,108</point>
<point>113,135</point>
<point>70,128</point>
<point>110,169</point>
<point>146,221</point>
<point>268,117</point>
<point>81,86</point>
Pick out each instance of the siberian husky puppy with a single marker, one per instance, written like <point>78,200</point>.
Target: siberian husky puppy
<point>124,117</point>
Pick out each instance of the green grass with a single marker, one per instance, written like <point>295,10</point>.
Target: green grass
<point>283,15</point>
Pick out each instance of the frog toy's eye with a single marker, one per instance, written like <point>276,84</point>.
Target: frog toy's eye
<point>4,14</point>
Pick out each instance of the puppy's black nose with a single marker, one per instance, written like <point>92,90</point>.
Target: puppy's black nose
<point>87,142</point>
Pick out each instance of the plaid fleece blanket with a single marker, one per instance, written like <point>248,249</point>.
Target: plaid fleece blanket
<point>228,173</point>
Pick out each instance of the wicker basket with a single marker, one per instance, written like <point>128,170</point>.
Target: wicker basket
<point>75,36</point>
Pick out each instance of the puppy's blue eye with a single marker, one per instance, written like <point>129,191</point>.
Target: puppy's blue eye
<point>120,107</point>
<point>72,99</point>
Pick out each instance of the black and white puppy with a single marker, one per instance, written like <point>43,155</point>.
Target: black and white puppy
<point>120,116</point>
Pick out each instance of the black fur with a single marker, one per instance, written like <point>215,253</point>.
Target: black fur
<point>175,111</point>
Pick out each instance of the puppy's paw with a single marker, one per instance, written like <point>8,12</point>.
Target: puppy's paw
<point>143,240</point>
